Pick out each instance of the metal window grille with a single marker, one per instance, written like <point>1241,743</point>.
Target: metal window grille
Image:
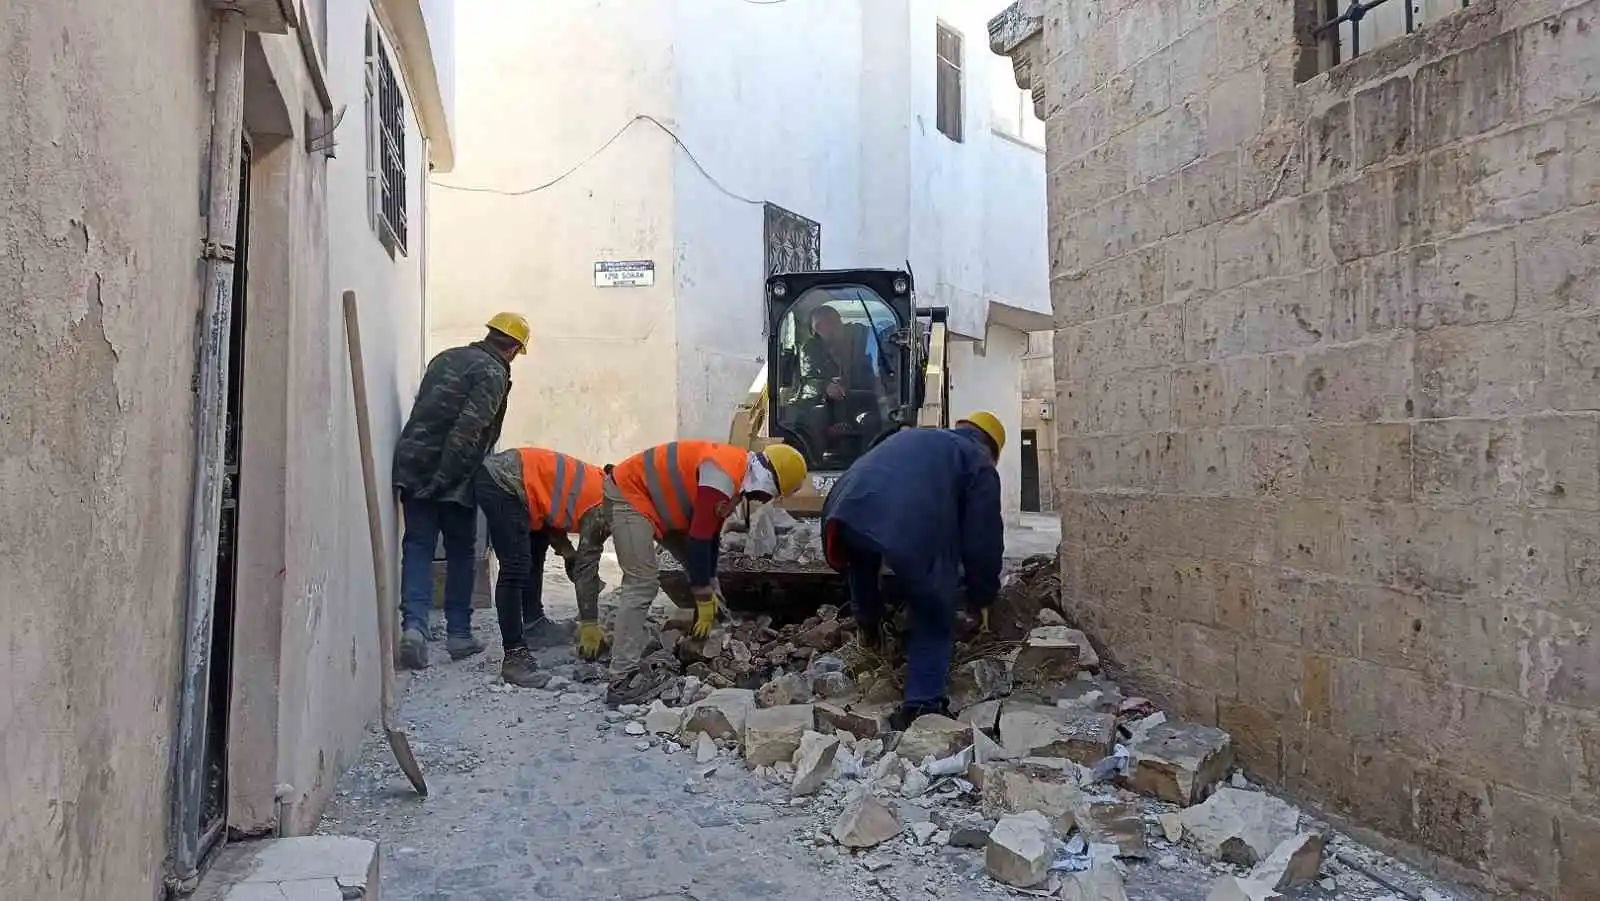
<point>386,144</point>
<point>947,91</point>
<point>1364,25</point>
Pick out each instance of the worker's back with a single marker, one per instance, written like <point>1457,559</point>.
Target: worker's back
<point>907,497</point>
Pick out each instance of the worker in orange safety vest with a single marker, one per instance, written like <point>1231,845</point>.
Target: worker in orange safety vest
<point>534,499</point>
<point>679,494</point>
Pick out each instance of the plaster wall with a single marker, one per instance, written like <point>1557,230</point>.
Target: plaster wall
<point>987,377</point>
<point>102,118</point>
<point>1326,363</point>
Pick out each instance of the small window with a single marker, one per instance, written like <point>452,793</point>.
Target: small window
<point>949,84</point>
<point>386,146</point>
<point>1362,26</point>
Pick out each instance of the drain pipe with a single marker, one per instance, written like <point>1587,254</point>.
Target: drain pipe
<point>205,523</point>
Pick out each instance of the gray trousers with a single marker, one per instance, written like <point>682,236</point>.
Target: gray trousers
<point>634,537</point>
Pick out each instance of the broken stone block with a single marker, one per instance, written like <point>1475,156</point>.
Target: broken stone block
<point>824,636</point>
<point>933,736</point>
<point>705,748</point>
<point>1172,827</point>
<point>1048,654</point>
<point>977,681</point>
<point>834,685</point>
<point>970,836</point>
<point>1238,888</point>
<point>772,734</point>
<point>1113,823</point>
<point>813,762</point>
<point>1080,737</point>
<point>722,713</point>
<point>862,722</point>
<point>1048,617</point>
<point>915,784</point>
<point>865,823</point>
<point>1295,861</point>
<point>984,715</point>
<point>922,833</point>
<point>1013,788</point>
<point>1179,762</point>
<point>662,720</point>
<point>1086,695</point>
<point>1100,882</point>
<point>1020,850</point>
<point>789,688</point>
<point>1240,827</point>
<point>985,750</point>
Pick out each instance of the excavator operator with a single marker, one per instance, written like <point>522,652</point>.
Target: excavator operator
<point>680,494</point>
<point>927,503</point>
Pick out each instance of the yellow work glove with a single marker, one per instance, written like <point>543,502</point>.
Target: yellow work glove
<point>983,620</point>
<point>589,639</point>
<point>705,614</point>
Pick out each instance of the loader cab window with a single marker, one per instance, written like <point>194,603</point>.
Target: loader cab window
<point>837,377</point>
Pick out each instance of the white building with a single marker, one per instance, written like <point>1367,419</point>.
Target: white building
<point>190,610</point>
<point>670,133</point>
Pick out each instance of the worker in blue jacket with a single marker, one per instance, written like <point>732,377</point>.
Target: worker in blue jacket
<point>926,502</point>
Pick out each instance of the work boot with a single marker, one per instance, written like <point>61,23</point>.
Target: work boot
<point>462,646</point>
<point>520,669</point>
<point>413,649</point>
<point>640,686</point>
<point>545,632</point>
<point>909,712</point>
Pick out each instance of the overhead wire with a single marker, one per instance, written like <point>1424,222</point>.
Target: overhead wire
<point>642,117</point>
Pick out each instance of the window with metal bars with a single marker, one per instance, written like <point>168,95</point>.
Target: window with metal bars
<point>948,87</point>
<point>1362,26</point>
<point>386,146</point>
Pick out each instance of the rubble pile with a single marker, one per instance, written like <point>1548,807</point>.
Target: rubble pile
<point>1045,780</point>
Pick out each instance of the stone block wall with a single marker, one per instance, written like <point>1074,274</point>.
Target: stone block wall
<point>1328,367</point>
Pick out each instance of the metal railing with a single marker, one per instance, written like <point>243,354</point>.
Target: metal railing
<point>1333,35</point>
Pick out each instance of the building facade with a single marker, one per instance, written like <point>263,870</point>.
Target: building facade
<point>1327,286</point>
<point>187,586</point>
<point>718,141</point>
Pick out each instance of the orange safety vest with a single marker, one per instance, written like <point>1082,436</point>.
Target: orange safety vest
<point>561,489</point>
<point>662,482</point>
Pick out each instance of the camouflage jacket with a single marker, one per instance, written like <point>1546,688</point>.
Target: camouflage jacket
<point>454,423</point>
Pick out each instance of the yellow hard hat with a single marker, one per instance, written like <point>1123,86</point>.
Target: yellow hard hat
<point>989,424</point>
<point>512,325</point>
<point>788,467</point>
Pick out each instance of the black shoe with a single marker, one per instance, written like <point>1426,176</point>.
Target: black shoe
<point>908,713</point>
<point>547,633</point>
<point>520,669</point>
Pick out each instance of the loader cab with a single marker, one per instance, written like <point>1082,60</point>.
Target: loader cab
<point>849,353</point>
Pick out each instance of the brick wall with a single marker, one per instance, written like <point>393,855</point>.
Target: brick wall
<point>1328,363</point>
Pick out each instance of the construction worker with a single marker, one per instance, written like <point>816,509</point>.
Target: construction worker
<point>454,422</point>
<point>926,502</point>
<point>679,494</point>
<point>533,499</point>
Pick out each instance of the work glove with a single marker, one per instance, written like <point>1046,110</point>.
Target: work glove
<point>705,614</point>
<point>589,639</point>
<point>983,620</point>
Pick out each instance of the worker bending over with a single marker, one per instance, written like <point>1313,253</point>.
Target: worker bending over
<point>533,499</point>
<point>927,503</point>
<point>680,494</point>
<point>454,423</point>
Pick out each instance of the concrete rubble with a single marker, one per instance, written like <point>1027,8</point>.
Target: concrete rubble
<point>1069,787</point>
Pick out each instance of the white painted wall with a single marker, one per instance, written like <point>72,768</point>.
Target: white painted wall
<point>987,375</point>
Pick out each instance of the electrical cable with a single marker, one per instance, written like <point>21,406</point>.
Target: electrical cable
<point>642,117</point>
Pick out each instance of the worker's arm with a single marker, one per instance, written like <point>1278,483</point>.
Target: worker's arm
<point>983,536</point>
<point>713,501</point>
<point>583,564</point>
<point>483,391</point>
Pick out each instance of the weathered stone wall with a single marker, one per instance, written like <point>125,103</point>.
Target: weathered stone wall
<point>1328,363</point>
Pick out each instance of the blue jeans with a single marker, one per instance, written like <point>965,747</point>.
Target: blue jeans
<point>426,520</point>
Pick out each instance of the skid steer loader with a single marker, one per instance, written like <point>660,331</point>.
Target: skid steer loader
<point>851,360</point>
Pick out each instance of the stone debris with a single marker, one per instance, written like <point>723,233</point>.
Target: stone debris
<point>1179,762</point>
<point>933,736</point>
<point>986,750</point>
<point>813,762</point>
<point>976,681</point>
<point>984,715</point>
<point>705,748</point>
<point>1172,827</point>
<point>922,833</point>
<point>723,714</point>
<point>786,689</point>
<point>970,836</point>
<point>1082,738</point>
<point>1102,881</point>
<point>634,728</point>
<point>1240,827</point>
<point>1238,888</point>
<point>662,720</point>
<point>1020,849</point>
<point>870,722</point>
<point>1014,788</point>
<point>1115,823</point>
<point>1295,861</point>
<point>772,734</point>
<point>1048,654</point>
<point>865,823</point>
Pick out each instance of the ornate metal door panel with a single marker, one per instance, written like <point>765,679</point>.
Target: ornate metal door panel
<point>793,242</point>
